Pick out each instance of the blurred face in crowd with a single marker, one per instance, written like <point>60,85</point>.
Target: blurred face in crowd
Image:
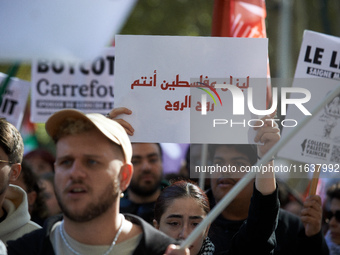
<point>180,218</point>
<point>222,183</point>
<point>39,165</point>
<point>31,195</point>
<point>334,222</point>
<point>50,198</point>
<point>148,169</point>
<point>88,173</point>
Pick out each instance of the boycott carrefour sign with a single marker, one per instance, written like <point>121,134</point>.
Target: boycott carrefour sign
<point>86,86</point>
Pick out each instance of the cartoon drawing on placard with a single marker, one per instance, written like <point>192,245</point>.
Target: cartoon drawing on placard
<point>303,146</point>
<point>330,117</point>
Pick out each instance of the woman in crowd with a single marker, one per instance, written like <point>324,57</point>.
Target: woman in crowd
<point>179,209</point>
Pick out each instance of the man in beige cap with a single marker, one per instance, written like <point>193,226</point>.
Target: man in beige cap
<point>92,168</point>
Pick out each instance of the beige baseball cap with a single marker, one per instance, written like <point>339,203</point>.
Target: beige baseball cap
<point>110,128</point>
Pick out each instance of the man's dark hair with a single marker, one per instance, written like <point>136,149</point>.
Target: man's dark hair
<point>159,147</point>
<point>11,142</point>
<point>32,182</point>
<point>334,191</point>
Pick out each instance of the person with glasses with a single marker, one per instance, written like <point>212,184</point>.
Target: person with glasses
<point>332,217</point>
<point>14,216</point>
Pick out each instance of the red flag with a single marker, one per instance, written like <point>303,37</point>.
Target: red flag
<point>241,18</point>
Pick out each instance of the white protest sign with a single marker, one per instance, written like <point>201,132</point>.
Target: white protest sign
<point>86,86</point>
<point>14,100</point>
<point>63,29</point>
<point>318,71</point>
<point>162,80</point>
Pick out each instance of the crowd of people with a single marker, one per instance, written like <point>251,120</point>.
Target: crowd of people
<point>102,194</point>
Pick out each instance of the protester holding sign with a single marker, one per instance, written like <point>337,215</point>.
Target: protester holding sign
<point>230,232</point>
<point>264,206</point>
<point>293,236</point>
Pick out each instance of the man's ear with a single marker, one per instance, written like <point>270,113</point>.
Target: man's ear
<point>155,224</point>
<point>31,197</point>
<point>126,172</point>
<point>15,171</point>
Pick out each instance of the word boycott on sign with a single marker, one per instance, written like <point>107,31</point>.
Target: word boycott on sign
<point>86,86</point>
<point>98,67</point>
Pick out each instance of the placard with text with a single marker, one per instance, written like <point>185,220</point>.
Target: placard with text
<point>58,84</point>
<point>14,100</point>
<point>317,71</point>
<point>167,80</point>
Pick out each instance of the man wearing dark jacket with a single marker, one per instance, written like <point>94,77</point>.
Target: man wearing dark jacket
<point>92,168</point>
<point>293,235</point>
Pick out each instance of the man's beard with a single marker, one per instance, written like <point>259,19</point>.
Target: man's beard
<point>96,208</point>
<point>142,190</point>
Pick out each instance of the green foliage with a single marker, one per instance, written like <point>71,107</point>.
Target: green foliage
<point>170,17</point>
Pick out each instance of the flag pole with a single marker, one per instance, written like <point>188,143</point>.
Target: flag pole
<point>249,176</point>
<point>204,157</point>
<point>221,18</point>
<point>315,180</point>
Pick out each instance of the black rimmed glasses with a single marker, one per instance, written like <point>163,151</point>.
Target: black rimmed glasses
<point>329,215</point>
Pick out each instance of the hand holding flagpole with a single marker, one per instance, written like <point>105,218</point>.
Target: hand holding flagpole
<point>246,179</point>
